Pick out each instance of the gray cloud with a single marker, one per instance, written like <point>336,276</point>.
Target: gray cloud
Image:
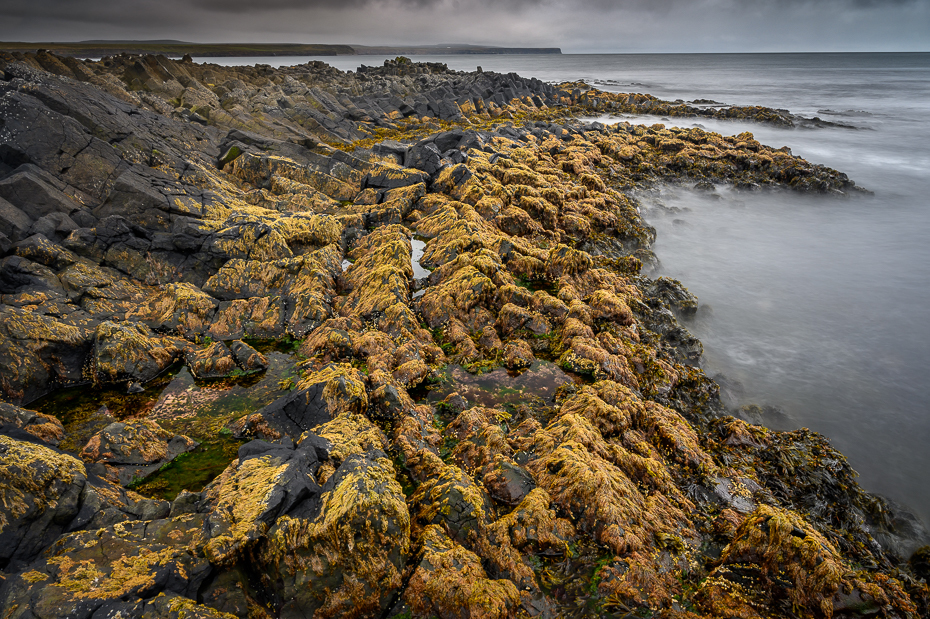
<point>582,26</point>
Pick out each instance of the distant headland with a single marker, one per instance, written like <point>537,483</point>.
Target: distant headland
<point>92,49</point>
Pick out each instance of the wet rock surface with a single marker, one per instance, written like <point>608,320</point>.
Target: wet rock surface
<point>380,345</point>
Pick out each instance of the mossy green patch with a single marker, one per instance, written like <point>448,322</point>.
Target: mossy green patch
<point>190,471</point>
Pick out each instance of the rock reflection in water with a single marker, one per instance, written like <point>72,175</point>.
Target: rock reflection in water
<point>176,400</point>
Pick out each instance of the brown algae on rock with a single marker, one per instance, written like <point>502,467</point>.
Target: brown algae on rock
<point>401,311</point>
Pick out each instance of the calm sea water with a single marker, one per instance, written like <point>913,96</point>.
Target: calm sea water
<point>818,306</point>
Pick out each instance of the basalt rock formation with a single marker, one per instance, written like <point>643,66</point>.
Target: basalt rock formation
<point>365,238</point>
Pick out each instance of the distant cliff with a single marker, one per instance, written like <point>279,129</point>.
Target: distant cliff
<point>416,50</point>
<point>98,49</point>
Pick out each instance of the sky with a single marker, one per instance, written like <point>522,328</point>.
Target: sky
<point>584,26</point>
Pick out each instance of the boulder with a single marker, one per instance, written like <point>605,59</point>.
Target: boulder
<point>47,493</point>
<point>249,359</point>
<point>14,223</point>
<point>18,274</point>
<point>130,351</point>
<point>29,190</point>
<point>133,450</point>
<point>139,569</point>
<point>44,427</point>
<point>424,156</point>
<point>290,415</point>
<point>39,352</point>
<point>55,226</point>
<point>343,556</point>
<point>673,295</point>
<point>518,355</point>
<point>387,177</point>
<point>450,582</point>
<point>266,482</point>
<point>507,482</point>
<point>214,361</point>
<point>39,249</point>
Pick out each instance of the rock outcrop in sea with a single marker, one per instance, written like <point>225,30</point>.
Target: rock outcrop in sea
<point>302,343</point>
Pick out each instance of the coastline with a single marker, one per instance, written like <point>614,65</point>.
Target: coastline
<point>535,253</point>
<point>178,49</point>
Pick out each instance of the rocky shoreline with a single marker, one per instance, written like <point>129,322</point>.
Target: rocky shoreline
<point>396,321</point>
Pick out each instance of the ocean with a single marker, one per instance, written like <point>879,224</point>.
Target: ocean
<point>816,306</point>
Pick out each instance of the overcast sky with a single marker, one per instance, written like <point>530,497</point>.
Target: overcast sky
<point>582,26</point>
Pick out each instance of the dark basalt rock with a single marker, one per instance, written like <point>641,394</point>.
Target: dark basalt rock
<point>249,359</point>
<point>14,222</point>
<point>295,413</point>
<point>130,351</point>
<point>41,351</point>
<point>386,403</point>
<point>133,450</point>
<point>43,427</point>
<point>370,521</point>
<point>34,192</point>
<point>51,493</point>
<point>116,569</point>
<point>424,156</point>
<point>214,361</point>
<point>509,483</point>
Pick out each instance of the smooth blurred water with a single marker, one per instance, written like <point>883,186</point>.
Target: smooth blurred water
<point>818,306</point>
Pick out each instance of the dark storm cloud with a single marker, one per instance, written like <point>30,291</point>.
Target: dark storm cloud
<point>583,25</point>
<point>57,8</point>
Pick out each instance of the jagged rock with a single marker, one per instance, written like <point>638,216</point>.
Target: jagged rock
<point>44,427</point>
<point>350,434</point>
<point>153,567</point>
<point>451,499</point>
<point>19,274</point>
<point>38,352</point>
<point>133,450</point>
<point>508,483</point>
<point>55,226</point>
<point>14,223</point>
<point>249,359</point>
<point>214,361</point>
<point>675,296</point>
<point>265,483</point>
<point>424,156</point>
<point>32,190</point>
<point>179,307</point>
<point>518,355</point>
<point>386,403</point>
<point>39,248</point>
<point>451,583</point>
<point>771,532</point>
<point>392,148</point>
<point>306,283</point>
<point>47,493</point>
<point>385,177</point>
<point>290,415</point>
<point>455,297</point>
<point>345,558</point>
<point>41,496</point>
<point>187,212</point>
<point>130,351</point>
